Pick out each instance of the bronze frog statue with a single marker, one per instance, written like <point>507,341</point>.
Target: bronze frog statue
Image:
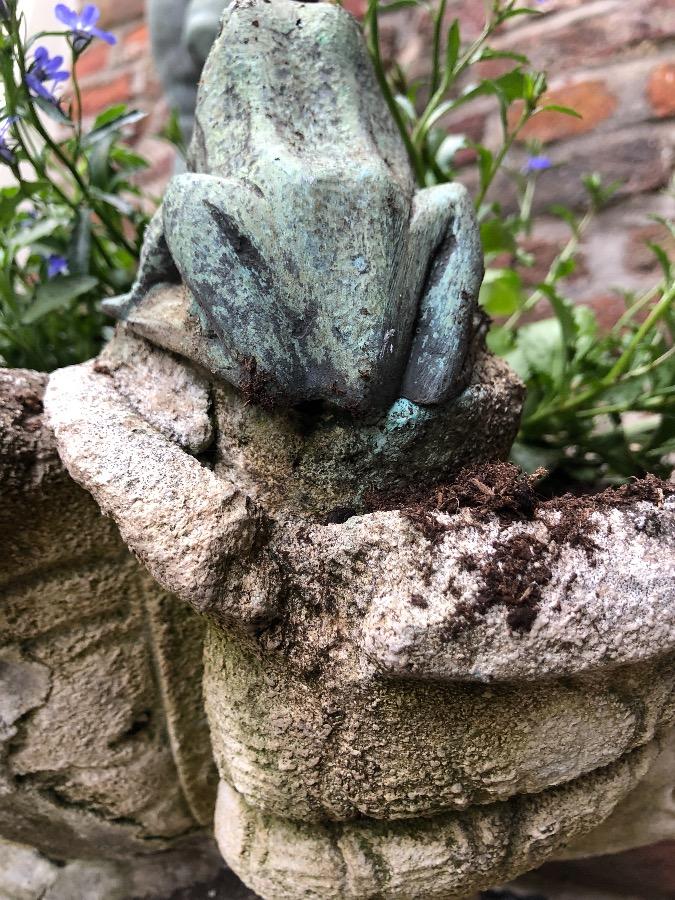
<point>306,250</point>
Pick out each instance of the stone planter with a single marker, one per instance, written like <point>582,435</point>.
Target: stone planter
<point>416,678</point>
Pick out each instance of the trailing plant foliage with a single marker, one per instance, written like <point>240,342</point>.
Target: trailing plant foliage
<point>600,405</point>
<point>71,225</point>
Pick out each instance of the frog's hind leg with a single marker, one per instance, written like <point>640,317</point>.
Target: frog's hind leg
<point>155,266</point>
<point>221,234</point>
<point>444,217</point>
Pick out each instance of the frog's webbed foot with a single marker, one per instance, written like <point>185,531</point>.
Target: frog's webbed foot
<point>444,217</point>
<point>155,266</point>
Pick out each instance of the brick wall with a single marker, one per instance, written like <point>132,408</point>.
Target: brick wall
<point>612,60</point>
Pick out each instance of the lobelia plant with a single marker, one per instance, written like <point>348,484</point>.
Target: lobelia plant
<point>600,406</point>
<point>70,231</point>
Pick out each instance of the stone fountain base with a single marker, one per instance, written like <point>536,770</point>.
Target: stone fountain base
<point>417,693</point>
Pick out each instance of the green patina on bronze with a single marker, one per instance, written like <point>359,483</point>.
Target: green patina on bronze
<point>306,252</point>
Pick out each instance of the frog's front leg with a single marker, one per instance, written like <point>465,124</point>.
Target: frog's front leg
<point>444,218</point>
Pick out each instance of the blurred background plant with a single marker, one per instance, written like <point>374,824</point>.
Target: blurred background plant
<point>71,223</point>
<point>600,404</point>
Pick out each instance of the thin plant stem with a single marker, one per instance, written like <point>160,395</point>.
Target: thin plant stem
<point>568,252</point>
<point>436,50</point>
<point>374,40</point>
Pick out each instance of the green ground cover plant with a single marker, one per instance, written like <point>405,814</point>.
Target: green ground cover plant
<point>600,405</point>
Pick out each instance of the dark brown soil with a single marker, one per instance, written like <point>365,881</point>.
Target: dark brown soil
<point>514,577</point>
<point>519,567</point>
<point>495,488</point>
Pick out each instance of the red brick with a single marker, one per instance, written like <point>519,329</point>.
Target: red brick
<point>138,39</point>
<point>544,252</point>
<point>639,257</point>
<point>638,161</point>
<point>94,59</point>
<point>118,12</point>
<point>356,7</point>
<point>661,90</point>
<point>591,99</point>
<point>576,38</point>
<point>608,309</point>
<point>118,90</point>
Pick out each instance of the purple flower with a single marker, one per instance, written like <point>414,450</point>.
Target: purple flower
<point>44,70</point>
<point>56,265</point>
<point>6,152</point>
<point>536,164</point>
<point>83,25</point>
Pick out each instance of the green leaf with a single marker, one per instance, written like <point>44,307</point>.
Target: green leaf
<point>58,294</point>
<point>564,268</point>
<point>113,112</point>
<point>511,85</point>
<point>564,313</point>
<point>586,325</point>
<point>452,47</point>
<point>522,11</point>
<point>449,146</point>
<point>562,212</point>
<point>501,292</point>
<point>496,237</point>
<point>485,165</point>
<point>625,393</point>
<point>541,346</point>
<point>172,132</point>
<point>79,248</point>
<point>52,111</point>
<point>406,107</point>
<point>99,164</point>
<point>113,200</point>
<point>489,53</point>
<point>500,340</point>
<point>396,5</point>
<point>10,198</point>
<point>663,258</point>
<point>27,236</point>
<point>470,93</point>
<point>112,125</point>
<point>127,159</point>
<point>531,457</point>
<point>566,110</point>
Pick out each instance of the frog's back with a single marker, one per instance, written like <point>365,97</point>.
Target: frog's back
<point>289,81</point>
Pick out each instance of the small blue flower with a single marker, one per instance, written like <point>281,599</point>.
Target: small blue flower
<point>536,164</point>
<point>6,152</point>
<point>56,265</point>
<point>44,70</point>
<point>83,25</point>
